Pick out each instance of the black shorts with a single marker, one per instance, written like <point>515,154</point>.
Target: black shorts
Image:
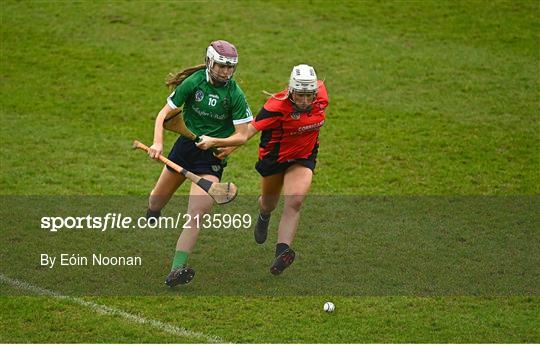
<point>190,157</point>
<point>270,166</point>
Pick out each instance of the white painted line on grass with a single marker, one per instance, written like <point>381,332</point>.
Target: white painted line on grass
<point>101,308</point>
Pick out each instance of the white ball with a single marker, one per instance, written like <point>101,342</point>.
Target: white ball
<point>329,307</point>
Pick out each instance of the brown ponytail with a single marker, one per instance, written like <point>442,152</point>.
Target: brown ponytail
<point>173,80</point>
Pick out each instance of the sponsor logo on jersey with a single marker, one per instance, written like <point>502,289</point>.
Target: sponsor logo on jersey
<point>295,115</point>
<point>201,112</point>
<point>199,95</point>
<point>308,128</point>
<point>311,127</point>
<point>216,168</point>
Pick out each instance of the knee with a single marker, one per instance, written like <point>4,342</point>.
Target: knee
<point>198,210</point>
<point>294,202</point>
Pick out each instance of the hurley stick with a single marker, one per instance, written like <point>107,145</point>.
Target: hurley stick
<point>222,193</point>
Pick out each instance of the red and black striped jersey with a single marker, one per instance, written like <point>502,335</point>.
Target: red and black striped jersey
<point>287,134</point>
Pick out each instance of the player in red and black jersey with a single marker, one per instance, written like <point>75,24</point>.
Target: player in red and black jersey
<point>289,123</point>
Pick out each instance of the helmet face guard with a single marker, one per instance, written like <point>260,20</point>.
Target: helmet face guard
<point>303,81</point>
<point>222,53</point>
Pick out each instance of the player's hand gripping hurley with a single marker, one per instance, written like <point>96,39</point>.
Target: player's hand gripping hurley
<point>222,193</point>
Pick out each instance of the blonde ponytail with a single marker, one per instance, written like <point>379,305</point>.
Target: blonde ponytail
<point>273,95</point>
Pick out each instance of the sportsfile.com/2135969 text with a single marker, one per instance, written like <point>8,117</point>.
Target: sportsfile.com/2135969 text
<point>115,221</point>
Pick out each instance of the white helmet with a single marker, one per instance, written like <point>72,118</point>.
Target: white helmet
<point>303,79</point>
<point>221,52</point>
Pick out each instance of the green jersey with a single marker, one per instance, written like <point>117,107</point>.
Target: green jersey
<point>210,110</point>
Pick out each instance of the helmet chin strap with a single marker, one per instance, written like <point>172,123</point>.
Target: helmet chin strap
<point>215,79</point>
<point>297,108</point>
<point>217,82</point>
<point>305,110</point>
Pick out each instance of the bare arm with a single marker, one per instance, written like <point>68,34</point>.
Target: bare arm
<point>157,147</point>
<point>243,132</point>
<point>224,151</point>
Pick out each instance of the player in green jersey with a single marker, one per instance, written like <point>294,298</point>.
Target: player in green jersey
<point>214,105</point>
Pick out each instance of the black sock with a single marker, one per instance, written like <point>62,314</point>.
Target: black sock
<point>265,217</point>
<point>152,216</point>
<point>281,247</point>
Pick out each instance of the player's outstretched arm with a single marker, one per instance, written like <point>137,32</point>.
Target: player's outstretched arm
<point>243,132</point>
